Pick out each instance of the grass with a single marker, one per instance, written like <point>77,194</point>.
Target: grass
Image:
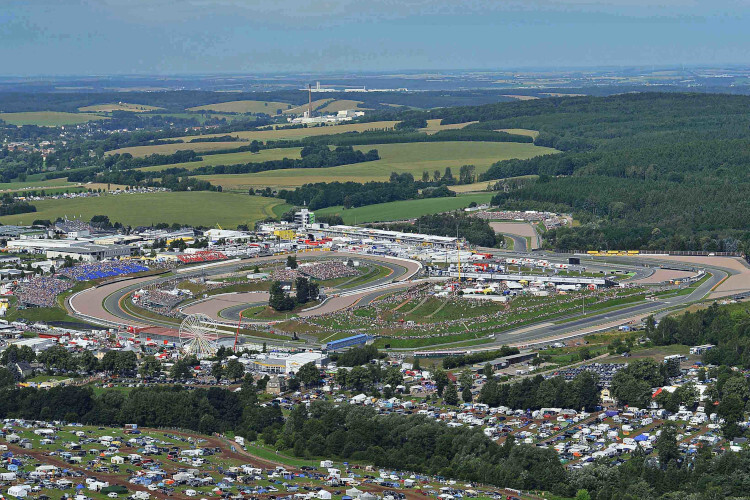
<point>298,110</point>
<point>267,107</point>
<point>272,134</point>
<point>203,208</point>
<point>434,126</point>
<point>121,106</point>
<point>36,185</point>
<point>484,185</point>
<point>340,105</point>
<point>397,210</point>
<point>521,131</point>
<point>413,158</point>
<point>168,149</point>
<point>48,118</point>
<point>232,158</point>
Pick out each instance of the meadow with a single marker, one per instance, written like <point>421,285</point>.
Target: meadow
<point>267,107</point>
<point>408,209</point>
<point>48,118</point>
<point>415,158</point>
<point>200,208</point>
<point>273,134</point>
<point>36,185</point>
<point>233,159</point>
<point>434,126</point>
<point>168,149</point>
<point>120,106</point>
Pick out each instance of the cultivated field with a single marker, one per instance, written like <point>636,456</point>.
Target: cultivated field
<point>36,185</point>
<point>521,131</point>
<point>298,110</point>
<point>201,208</point>
<point>407,157</point>
<point>168,149</point>
<point>340,105</point>
<point>121,106</point>
<point>434,126</point>
<point>408,209</point>
<point>48,118</point>
<point>296,133</point>
<point>233,159</point>
<point>267,107</point>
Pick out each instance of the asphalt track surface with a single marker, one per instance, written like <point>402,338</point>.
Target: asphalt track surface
<point>104,302</point>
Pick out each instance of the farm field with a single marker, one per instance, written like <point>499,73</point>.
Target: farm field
<point>340,105</point>
<point>434,126</point>
<point>233,159</point>
<point>521,131</point>
<point>168,149</point>
<point>201,208</point>
<point>27,185</point>
<point>408,209</point>
<point>413,157</point>
<point>267,107</point>
<point>121,106</point>
<point>48,118</point>
<point>298,110</point>
<point>296,133</point>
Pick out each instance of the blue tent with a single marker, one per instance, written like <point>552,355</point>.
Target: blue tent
<point>641,437</point>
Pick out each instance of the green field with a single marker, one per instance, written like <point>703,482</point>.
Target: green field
<point>168,149</point>
<point>397,210</point>
<point>48,118</point>
<point>413,157</point>
<point>233,158</point>
<point>120,106</point>
<point>37,185</point>
<point>267,107</point>
<point>272,134</point>
<point>201,208</point>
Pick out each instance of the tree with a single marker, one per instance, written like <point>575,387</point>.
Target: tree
<point>6,378</point>
<point>487,370</point>
<point>150,367</point>
<point>451,395</point>
<point>181,370</point>
<point>309,374</point>
<point>466,395</point>
<point>234,370</point>
<point>217,370</point>
<point>666,445</point>
<point>126,362</point>
<point>279,299</point>
<point>441,380</point>
<point>291,262</point>
<point>416,365</point>
<point>466,380</point>
<point>583,495</point>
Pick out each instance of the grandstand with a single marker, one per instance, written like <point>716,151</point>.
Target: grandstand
<point>347,342</point>
<point>204,256</point>
<point>97,270</point>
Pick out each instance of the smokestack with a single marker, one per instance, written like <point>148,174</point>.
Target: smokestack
<point>309,101</point>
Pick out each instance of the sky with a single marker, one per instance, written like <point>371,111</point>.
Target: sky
<point>170,37</point>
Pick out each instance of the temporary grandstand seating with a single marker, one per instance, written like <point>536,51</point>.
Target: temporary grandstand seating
<point>97,270</point>
<point>205,256</point>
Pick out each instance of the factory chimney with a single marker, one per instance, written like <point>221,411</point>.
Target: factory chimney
<point>309,101</point>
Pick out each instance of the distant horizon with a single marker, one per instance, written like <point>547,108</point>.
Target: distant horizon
<point>217,37</point>
<point>353,74</point>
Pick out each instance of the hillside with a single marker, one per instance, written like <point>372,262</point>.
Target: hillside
<point>648,171</point>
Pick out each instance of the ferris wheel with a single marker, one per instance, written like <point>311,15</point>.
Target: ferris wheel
<point>197,337</point>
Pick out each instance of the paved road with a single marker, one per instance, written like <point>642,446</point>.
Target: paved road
<point>103,303</point>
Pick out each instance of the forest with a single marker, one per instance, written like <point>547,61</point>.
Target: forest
<point>631,169</point>
<point>476,231</point>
